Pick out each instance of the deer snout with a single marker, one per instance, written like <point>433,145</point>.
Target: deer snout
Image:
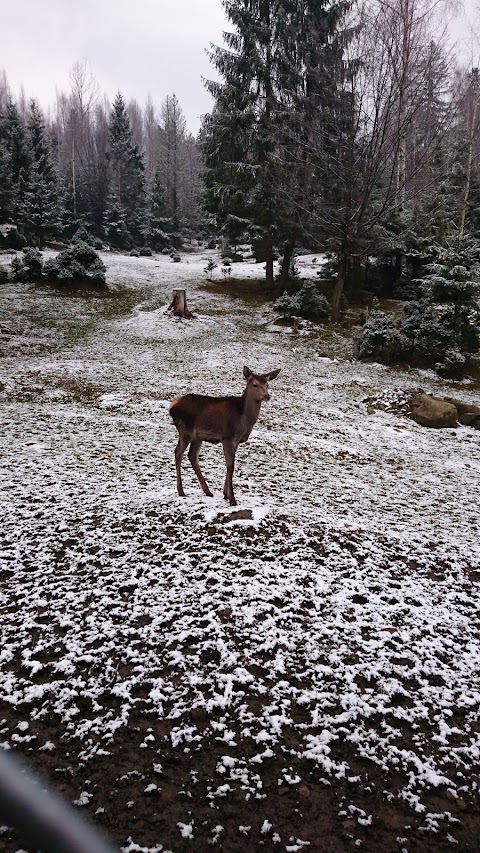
<point>267,397</point>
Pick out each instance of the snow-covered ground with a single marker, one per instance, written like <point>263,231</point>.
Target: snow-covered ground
<point>315,648</point>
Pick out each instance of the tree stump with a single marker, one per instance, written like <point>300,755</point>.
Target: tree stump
<point>179,304</point>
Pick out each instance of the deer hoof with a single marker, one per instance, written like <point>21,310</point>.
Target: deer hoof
<point>208,493</point>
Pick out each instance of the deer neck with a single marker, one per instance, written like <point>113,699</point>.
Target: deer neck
<point>251,408</point>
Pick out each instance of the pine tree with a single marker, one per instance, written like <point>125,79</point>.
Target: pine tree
<point>41,197</point>
<point>16,143</point>
<point>6,184</point>
<point>279,70</point>
<point>171,163</point>
<point>126,174</point>
<point>237,138</point>
<point>114,224</point>
<point>160,225</point>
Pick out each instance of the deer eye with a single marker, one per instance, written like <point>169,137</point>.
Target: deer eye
<point>255,384</point>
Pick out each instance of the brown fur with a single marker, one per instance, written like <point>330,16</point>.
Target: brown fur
<point>225,420</point>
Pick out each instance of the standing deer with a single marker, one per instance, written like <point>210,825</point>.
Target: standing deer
<point>228,420</point>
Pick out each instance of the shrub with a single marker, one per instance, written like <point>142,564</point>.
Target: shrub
<point>442,326</point>
<point>78,265</point>
<point>381,339</point>
<point>15,240</point>
<point>82,236</point>
<point>452,364</point>
<point>307,303</point>
<point>146,252</point>
<point>3,274</point>
<point>208,270</point>
<point>284,305</point>
<point>134,253</point>
<point>226,268</point>
<point>28,266</point>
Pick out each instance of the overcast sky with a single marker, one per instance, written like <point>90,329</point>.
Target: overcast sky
<point>138,47</point>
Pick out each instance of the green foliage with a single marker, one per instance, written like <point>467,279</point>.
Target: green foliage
<point>82,236</point>
<point>442,327</point>
<point>307,303</point>
<point>284,305</point>
<point>15,240</point>
<point>381,339</point>
<point>80,264</point>
<point>160,228</point>
<point>16,171</point>
<point>40,202</point>
<point>279,72</point>
<point>115,227</point>
<point>128,200</point>
<point>208,270</point>
<point>28,266</point>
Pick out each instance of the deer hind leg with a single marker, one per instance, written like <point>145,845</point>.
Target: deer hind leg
<point>229,453</point>
<point>179,451</point>
<point>193,457</point>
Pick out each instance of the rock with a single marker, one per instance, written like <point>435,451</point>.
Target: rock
<point>432,412</point>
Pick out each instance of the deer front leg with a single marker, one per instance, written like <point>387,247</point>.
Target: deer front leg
<point>193,457</point>
<point>229,451</point>
<point>179,451</point>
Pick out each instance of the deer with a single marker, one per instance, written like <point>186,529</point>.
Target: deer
<point>225,420</point>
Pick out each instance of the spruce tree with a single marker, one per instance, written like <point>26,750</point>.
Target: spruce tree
<point>126,174</point>
<point>41,197</point>
<point>160,225</point>
<point>6,184</point>
<point>15,139</point>
<point>237,138</point>
<point>280,70</point>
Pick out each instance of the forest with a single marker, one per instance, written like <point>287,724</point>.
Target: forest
<point>345,128</point>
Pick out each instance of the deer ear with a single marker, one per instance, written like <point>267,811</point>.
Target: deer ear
<point>247,372</point>
<point>272,375</point>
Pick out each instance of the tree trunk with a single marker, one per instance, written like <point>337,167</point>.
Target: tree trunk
<point>287,260</point>
<point>179,304</point>
<point>338,289</point>
<point>269,267</point>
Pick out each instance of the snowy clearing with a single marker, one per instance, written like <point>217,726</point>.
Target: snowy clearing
<point>296,673</point>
